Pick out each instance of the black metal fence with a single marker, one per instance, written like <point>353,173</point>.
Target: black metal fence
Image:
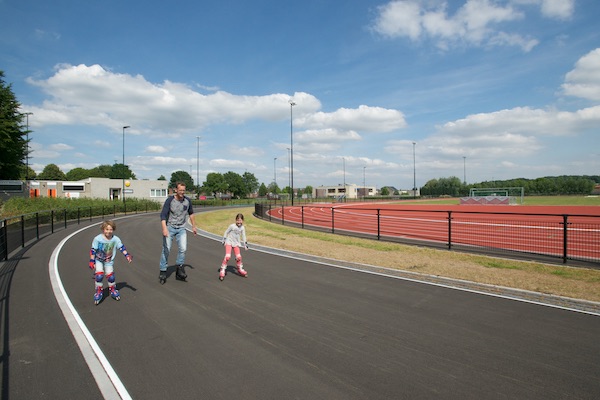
<point>22,230</point>
<point>553,238</point>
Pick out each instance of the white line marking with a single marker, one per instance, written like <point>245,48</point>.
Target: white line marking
<point>108,381</point>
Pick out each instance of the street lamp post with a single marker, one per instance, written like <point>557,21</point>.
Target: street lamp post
<point>344,165</point>
<point>27,114</point>
<point>364,183</point>
<point>198,164</point>
<point>275,171</point>
<point>125,127</point>
<point>464,170</point>
<point>292,104</point>
<point>414,172</point>
<point>289,170</point>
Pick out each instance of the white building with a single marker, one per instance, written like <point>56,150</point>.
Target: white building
<point>101,188</point>
<point>348,191</point>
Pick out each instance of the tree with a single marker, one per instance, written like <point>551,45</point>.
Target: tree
<point>308,190</point>
<point>262,190</point>
<point>120,171</point>
<point>273,188</point>
<point>13,145</point>
<point>235,184</point>
<point>250,183</point>
<point>181,176</point>
<point>215,183</point>
<point>23,175</point>
<point>77,174</point>
<point>385,191</point>
<point>51,172</point>
<point>101,171</point>
<point>161,178</point>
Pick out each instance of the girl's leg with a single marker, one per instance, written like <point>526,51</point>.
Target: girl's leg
<point>225,261</point>
<point>238,257</point>
<point>238,262</point>
<point>227,256</point>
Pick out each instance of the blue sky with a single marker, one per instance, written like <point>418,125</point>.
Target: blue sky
<point>486,89</point>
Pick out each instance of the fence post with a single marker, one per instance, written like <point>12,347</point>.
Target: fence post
<point>378,225</point>
<point>332,221</point>
<point>22,231</point>
<point>52,221</point>
<point>37,225</point>
<point>449,230</point>
<point>4,235</point>
<point>65,214</point>
<point>565,234</point>
<point>302,213</point>
<point>282,215</point>
<point>78,215</point>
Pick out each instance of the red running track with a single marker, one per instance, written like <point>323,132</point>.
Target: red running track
<point>530,229</point>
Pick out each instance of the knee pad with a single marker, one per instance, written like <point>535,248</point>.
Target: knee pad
<point>238,258</point>
<point>227,257</point>
<point>110,278</point>
<point>99,277</point>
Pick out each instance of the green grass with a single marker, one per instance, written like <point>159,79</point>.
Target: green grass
<point>562,201</point>
<point>528,201</point>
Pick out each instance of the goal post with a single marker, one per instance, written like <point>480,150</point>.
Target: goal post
<point>501,195</point>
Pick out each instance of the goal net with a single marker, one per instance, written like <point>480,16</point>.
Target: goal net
<point>494,196</point>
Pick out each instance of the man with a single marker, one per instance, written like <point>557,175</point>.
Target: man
<point>173,217</point>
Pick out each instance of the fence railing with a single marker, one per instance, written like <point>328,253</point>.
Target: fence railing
<point>21,230</point>
<point>538,237</point>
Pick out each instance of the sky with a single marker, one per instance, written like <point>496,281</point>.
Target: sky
<point>386,93</point>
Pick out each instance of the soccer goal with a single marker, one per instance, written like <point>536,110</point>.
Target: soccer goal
<point>495,196</point>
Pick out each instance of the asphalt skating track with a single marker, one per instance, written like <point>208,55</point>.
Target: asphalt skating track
<point>293,329</point>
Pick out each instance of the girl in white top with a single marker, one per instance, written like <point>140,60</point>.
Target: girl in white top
<point>234,238</point>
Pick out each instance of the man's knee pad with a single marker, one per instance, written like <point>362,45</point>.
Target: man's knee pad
<point>99,277</point>
<point>110,278</point>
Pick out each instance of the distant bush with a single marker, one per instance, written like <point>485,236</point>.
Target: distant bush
<point>18,205</point>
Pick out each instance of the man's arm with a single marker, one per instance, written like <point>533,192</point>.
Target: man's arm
<point>193,222</point>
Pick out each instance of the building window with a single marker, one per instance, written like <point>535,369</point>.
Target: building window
<point>158,192</point>
<point>74,187</point>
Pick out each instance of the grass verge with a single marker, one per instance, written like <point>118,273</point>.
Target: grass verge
<point>577,283</point>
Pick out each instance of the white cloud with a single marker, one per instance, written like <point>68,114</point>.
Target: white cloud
<point>60,147</point>
<point>364,118</point>
<point>93,95</point>
<point>525,121</point>
<point>584,80</point>
<point>561,9</point>
<point>475,23</point>
<point>156,149</point>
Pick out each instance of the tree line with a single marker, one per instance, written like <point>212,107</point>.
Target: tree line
<point>546,186</point>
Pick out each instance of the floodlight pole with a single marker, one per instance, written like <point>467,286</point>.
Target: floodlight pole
<point>292,104</point>
<point>125,127</point>
<point>198,165</point>
<point>464,170</point>
<point>364,183</point>
<point>414,172</point>
<point>27,114</point>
